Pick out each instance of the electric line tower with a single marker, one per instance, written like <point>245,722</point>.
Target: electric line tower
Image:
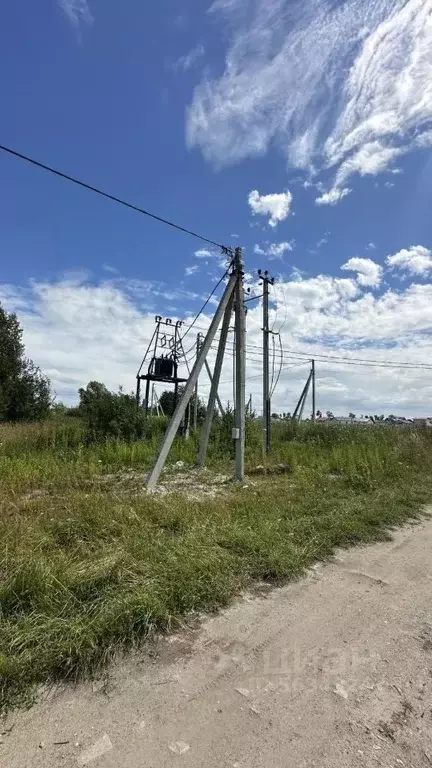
<point>232,300</point>
<point>166,351</point>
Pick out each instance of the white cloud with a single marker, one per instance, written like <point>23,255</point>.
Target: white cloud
<point>321,242</point>
<point>424,140</point>
<point>191,270</point>
<point>276,205</point>
<point>369,273</point>
<point>77,11</point>
<point>187,62</point>
<point>416,260</point>
<point>370,160</point>
<point>334,85</point>
<point>274,250</point>
<point>109,268</point>
<point>333,196</point>
<point>100,331</point>
<point>204,253</point>
<point>371,247</point>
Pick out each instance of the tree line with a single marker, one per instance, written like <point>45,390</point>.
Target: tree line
<point>25,394</point>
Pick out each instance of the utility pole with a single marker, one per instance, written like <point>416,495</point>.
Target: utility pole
<point>313,392</point>
<point>195,405</point>
<point>235,283</point>
<point>267,281</point>
<point>298,411</point>
<point>206,427</point>
<point>240,366</point>
<point>306,390</point>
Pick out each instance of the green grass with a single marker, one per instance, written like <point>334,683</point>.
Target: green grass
<point>90,565</point>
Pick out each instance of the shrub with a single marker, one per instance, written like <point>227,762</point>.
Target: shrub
<point>112,415</point>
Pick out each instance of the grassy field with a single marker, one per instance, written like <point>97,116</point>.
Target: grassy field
<point>89,564</point>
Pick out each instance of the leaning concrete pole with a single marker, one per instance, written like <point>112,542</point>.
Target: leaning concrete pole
<point>205,431</point>
<point>179,412</point>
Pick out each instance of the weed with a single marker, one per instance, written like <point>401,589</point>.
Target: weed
<point>90,565</point>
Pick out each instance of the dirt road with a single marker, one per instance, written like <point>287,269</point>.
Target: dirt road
<point>332,671</point>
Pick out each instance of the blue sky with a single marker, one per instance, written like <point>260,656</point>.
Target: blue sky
<point>299,130</point>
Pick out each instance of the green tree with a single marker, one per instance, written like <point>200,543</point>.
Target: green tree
<point>167,403</point>
<point>25,392</point>
<point>115,416</point>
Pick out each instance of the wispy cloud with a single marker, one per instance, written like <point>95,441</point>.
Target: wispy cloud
<point>274,250</point>
<point>321,242</point>
<point>333,196</point>
<point>205,253</point>
<point>191,270</point>
<point>276,205</point>
<point>77,11</point>
<point>346,85</point>
<point>187,61</point>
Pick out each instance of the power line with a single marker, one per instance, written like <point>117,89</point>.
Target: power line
<point>373,363</point>
<point>255,354</point>
<point>189,328</point>
<point>115,199</point>
<point>280,366</point>
<point>287,367</point>
<point>360,361</point>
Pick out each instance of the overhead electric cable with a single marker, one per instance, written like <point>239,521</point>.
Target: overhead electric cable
<point>114,198</point>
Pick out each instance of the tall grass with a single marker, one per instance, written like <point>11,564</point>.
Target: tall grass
<point>89,564</point>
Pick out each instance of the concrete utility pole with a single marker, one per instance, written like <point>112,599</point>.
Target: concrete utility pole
<point>195,405</point>
<point>298,411</point>
<point>218,400</point>
<point>267,281</point>
<point>205,431</point>
<point>240,367</point>
<point>313,393</point>
<point>306,391</point>
<point>181,406</point>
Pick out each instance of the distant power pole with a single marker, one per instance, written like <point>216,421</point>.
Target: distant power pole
<point>240,366</point>
<point>298,410</point>
<point>267,281</point>
<point>313,392</point>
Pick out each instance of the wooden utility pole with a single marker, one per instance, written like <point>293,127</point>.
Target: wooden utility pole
<point>190,384</point>
<point>267,281</point>
<point>240,366</point>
